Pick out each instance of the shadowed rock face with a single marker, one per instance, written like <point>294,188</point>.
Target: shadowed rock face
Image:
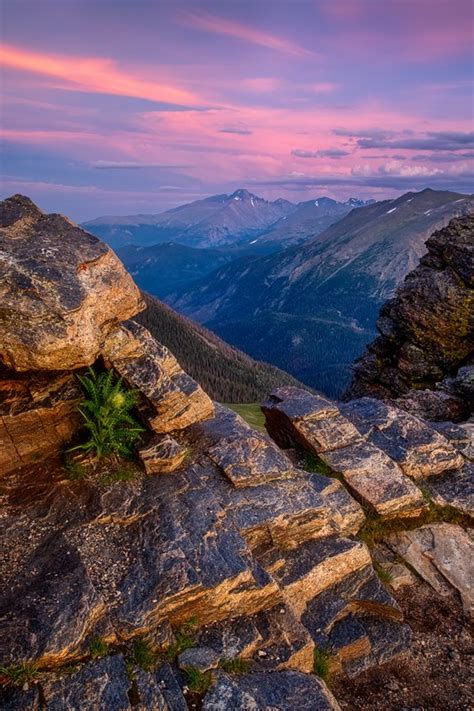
<point>424,355</point>
<point>61,290</point>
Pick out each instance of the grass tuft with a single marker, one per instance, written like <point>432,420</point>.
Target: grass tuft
<point>312,463</point>
<point>19,674</point>
<point>142,654</point>
<point>235,665</point>
<point>98,648</point>
<point>198,681</point>
<point>376,529</point>
<point>384,574</point>
<point>119,472</point>
<point>74,471</point>
<point>184,639</point>
<point>322,663</point>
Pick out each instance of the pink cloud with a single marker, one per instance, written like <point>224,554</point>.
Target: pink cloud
<point>93,74</point>
<point>230,28</point>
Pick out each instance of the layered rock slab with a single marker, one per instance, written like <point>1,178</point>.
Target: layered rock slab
<point>57,303</point>
<point>162,455</point>
<point>376,480</point>
<point>419,449</point>
<point>443,555</point>
<point>159,547</point>
<point>280,691</point>
<point>174,400</point>
<point>38,414</point>
<point>347,439</point>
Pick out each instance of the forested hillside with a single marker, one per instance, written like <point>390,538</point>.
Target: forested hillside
<point>225,373</point>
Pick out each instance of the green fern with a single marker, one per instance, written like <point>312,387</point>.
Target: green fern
<point>106,413</point>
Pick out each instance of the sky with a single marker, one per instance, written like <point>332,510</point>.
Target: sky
<point>136,106</point>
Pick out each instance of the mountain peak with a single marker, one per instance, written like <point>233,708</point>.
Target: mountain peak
<point>242,194</point>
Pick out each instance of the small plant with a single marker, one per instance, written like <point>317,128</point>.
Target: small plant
<point>198,681</point>
<point>184,639</point>
<point>312,463</point>
<point>119,473</point>
<point>142,654</point>
<point>322,663</point>
<point>384,574</point>
<point>235,665</point>
<point>19,674</point>
<point>98,648</point>
<point>75,471</point>
<point>106,414</point>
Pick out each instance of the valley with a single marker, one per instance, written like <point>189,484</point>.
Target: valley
<point>302,292</point>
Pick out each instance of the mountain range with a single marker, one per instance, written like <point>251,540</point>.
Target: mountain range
<point>310,309</point>
<point>241,219</point>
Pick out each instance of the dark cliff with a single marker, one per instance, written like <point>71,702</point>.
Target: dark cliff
<point>424,355</point>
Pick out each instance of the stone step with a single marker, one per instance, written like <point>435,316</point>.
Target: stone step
<point>314,566</point>
<point>376,480</point>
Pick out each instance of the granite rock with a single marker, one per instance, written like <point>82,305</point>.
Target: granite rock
<point>57,304</point>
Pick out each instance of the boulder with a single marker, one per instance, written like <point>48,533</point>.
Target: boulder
<point>201,658</point>
<point>293,415</point>
<point>173,400</point>
<point>102,685</point>
<point>442,554</point>
<point>162,455</point>
<point>455,489</point>
<point>57,304</point>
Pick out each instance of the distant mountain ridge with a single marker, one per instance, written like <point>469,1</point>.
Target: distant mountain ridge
<point>220,221</point>
<point>312,308</point>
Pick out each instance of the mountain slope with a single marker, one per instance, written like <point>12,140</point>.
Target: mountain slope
<point>311,309</point>
<point>225,373</point>
<point>164,268</point>
<point>212,222</point>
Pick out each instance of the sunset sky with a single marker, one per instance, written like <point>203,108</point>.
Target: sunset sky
<point>124,106</point>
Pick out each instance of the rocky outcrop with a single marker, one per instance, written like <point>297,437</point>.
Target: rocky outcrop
<point>356,441</point>
<point>235,557</point>
<point>62,309</point>
<point>62,290</point>
<point>423,357</point>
